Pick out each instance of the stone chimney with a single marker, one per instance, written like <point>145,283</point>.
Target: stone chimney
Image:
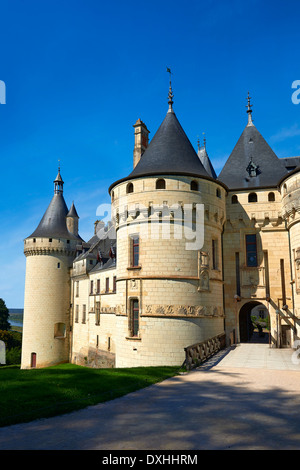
<point>141,140</point>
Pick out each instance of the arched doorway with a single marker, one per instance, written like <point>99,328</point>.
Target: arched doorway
<point>254,323</point>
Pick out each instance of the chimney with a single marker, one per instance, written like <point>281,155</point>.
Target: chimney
<point>140,141</point>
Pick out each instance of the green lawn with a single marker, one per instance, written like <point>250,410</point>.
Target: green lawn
<point>26,395</point>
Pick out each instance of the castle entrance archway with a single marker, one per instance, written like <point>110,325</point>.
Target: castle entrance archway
<point>254,323</point>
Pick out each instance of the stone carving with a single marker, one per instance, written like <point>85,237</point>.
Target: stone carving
<point>203,280</point>
<point>184,310</point>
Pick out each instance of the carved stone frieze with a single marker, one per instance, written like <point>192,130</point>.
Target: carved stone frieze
<point>183,311</point>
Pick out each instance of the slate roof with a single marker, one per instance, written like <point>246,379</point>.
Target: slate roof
<point>53,223</point>
<point>251,148</point>
<point>169,153</point>
<point>73,212</point>
<point>205,160</point>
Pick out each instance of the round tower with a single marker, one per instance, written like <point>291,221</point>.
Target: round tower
<point>49,252</point>
<point>169,214</point>
<point>290,197</point>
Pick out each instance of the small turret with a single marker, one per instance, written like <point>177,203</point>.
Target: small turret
<point>72,220</point>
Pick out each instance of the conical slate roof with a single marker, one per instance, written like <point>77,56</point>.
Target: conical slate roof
<point>205,160</point>
<point>252,163</point>
<point>53,223</point>
<point>169,152</point>
<point>73,212</point>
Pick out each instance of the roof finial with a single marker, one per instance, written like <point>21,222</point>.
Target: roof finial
<point>170,96</point>
<point>204,140</point>
<point>249,111</point>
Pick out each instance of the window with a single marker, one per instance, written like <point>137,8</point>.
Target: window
<point>252,197</point>
<point>194,186</point>
<point>107,285</point>
<point>76,313</point>
<point>83,313</point>
<point>58,265</point>
<point>97,313</point>
<point>98,286</point>
<point>129,188</point>
<point>92,287</point>
<point>77,289</point>
<point>215,254</point>
<point>218,193</point>
<point>50,240</point>
<point>271,197</point>
<point>135,251</point>
<point>251,250</point>
<point>234,199</point>
<point>160,184</point>
<point>134,318</point>
<point>114,284</point>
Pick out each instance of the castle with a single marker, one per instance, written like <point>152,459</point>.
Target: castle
<point>186,257</point>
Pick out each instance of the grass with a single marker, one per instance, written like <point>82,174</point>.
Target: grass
<point>26,395</point>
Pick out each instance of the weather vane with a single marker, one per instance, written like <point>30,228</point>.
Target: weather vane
<point>170,96</point>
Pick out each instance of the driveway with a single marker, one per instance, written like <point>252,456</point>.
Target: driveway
<point>244,398</point>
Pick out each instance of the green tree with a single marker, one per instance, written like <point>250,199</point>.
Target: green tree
<point>4,314</point>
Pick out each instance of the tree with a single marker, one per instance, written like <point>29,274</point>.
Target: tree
<point>4,314</point>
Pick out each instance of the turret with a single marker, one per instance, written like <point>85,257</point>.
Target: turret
<point>49,252</point>
<point>72,220</point>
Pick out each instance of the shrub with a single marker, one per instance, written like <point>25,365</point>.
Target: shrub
<point>13,356</point>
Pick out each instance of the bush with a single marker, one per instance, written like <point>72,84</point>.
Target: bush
<point>13,344</point>
<point>12,339</point>
<point>13,356</point>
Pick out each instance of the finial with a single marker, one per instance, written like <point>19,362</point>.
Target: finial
<point>170,96</point>
<point>204,140</point>
<point>249,111</point>
<point>198,141</point>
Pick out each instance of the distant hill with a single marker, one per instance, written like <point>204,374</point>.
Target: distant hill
<point>18,311</point>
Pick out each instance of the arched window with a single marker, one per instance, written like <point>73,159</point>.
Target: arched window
<point>234,199</point>
<point>252,197</point>
<point>129,188</point>
<point>271,197</point>
<point>194,186</point>
<point>218,193</point>
<point>160,184</point>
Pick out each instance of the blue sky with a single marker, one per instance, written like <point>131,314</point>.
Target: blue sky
<point>79,74</point>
